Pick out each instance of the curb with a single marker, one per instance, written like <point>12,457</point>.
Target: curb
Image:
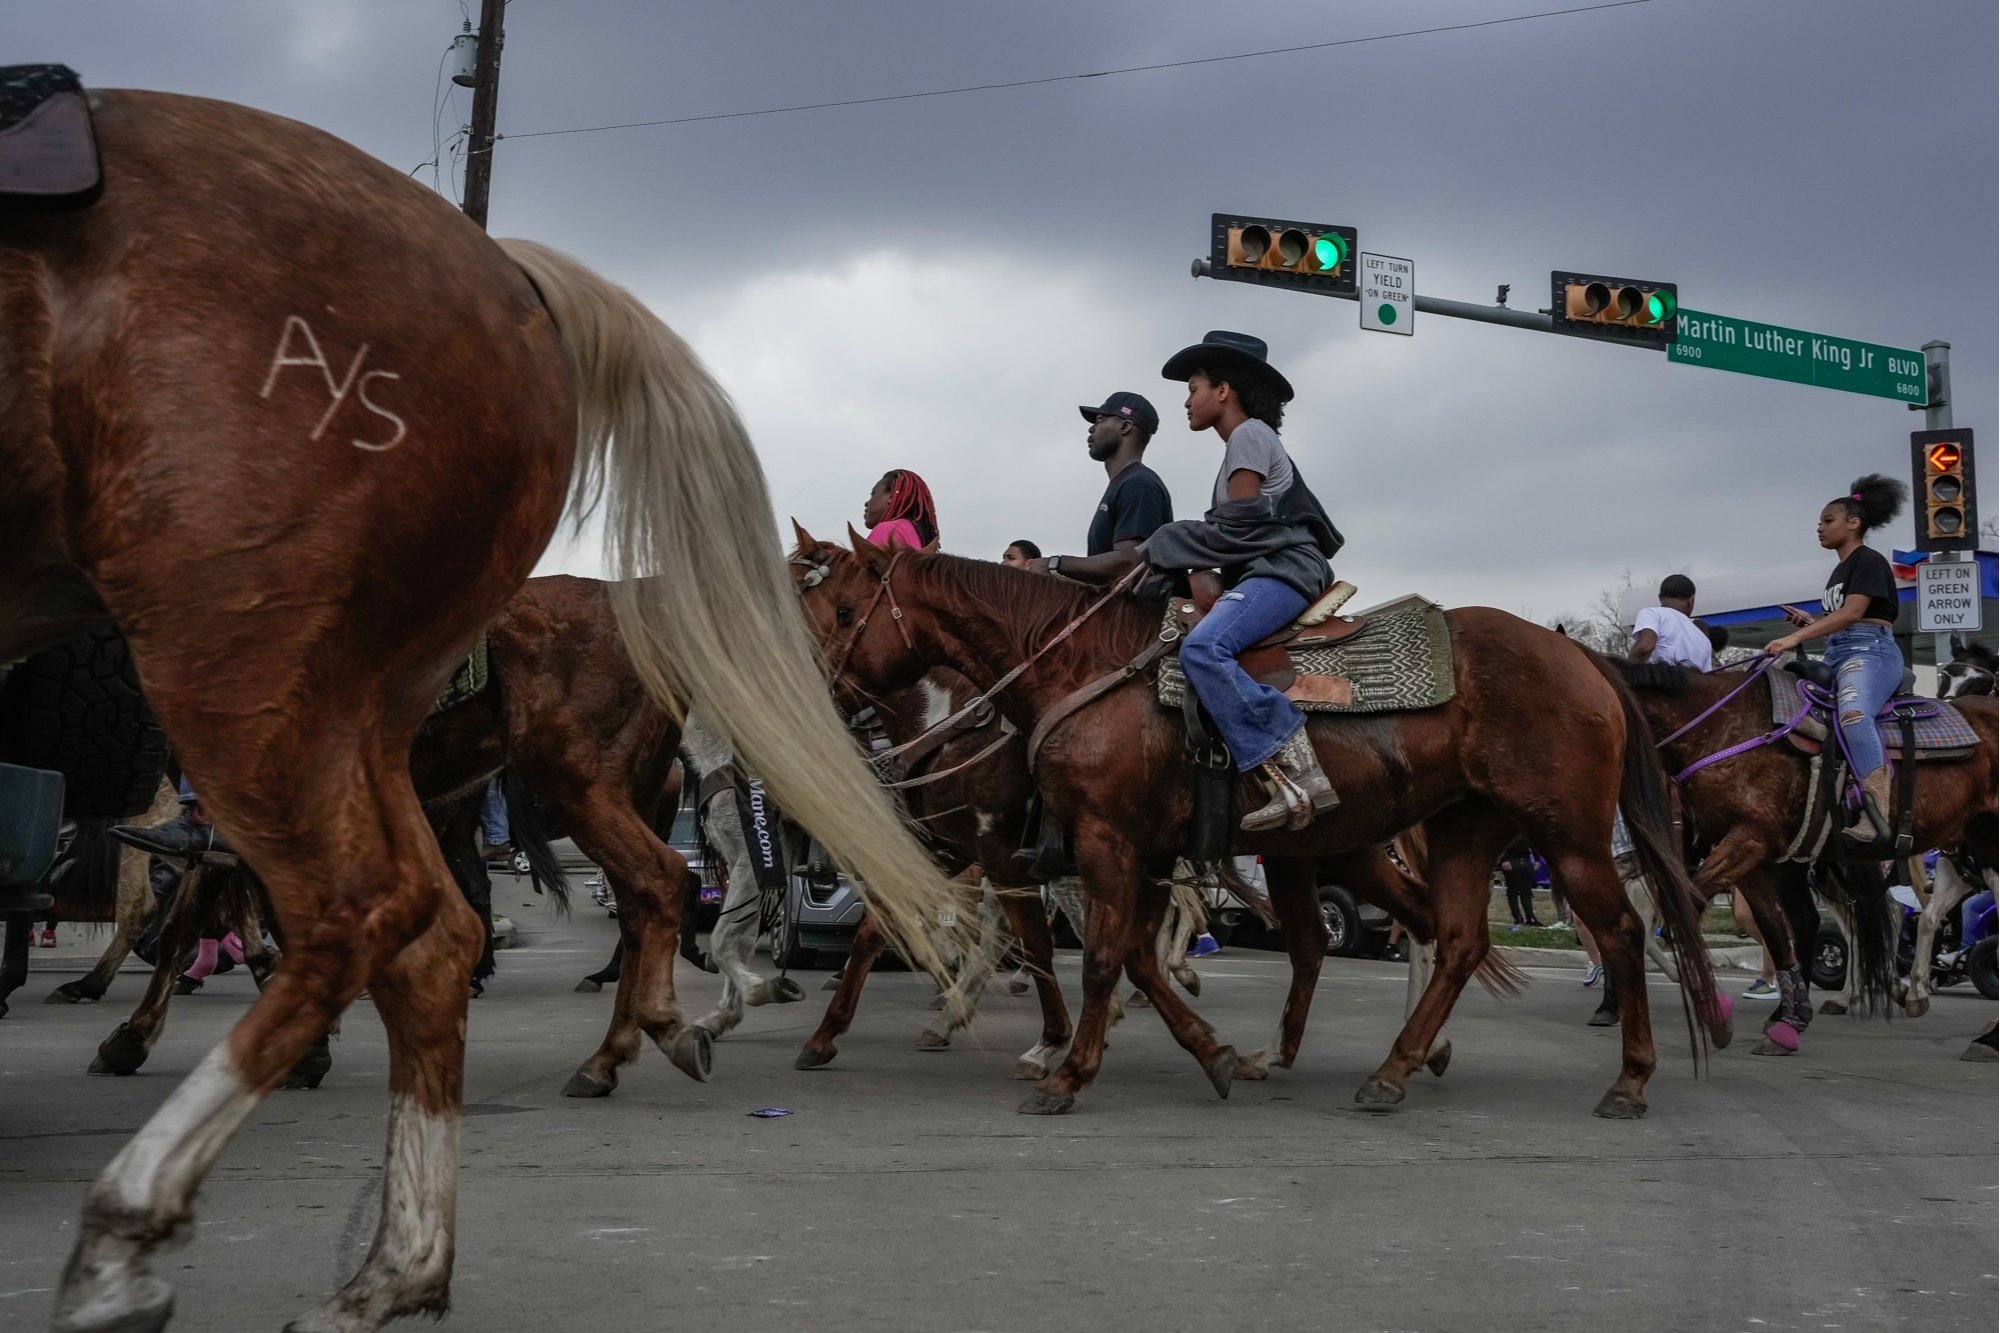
<point>1722,960</point>
<point>506,935</point>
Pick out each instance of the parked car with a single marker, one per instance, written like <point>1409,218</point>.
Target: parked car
<point>1354,929</point>
<point>822,912</point>
<point>708,894</point>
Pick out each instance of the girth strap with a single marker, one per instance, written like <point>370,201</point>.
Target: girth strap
<point>1906,784</point>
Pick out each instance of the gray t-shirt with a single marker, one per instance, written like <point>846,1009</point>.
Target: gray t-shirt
<point>1255,446</point>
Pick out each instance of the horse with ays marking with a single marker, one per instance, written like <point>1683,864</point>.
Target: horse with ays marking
<point>1536,738</point>
<point>298,428</point>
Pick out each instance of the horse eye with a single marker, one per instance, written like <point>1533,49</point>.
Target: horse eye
<point>843,614</point>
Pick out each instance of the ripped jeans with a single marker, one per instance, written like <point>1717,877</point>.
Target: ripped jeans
<point>1867,666</point>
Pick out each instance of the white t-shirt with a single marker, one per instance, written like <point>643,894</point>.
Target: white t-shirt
<point>1681,641</point>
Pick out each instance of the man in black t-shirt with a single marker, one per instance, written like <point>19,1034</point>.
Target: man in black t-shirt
<point>1134,504</point>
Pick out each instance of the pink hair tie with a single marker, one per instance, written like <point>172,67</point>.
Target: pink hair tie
<point>1855,495</point>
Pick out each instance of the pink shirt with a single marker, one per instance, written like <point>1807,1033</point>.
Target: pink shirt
<point>896,532</point>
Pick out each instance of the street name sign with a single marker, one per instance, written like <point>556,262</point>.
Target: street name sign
<point>1752,347</point>
<point>1388,294</point>
<point>1947,597</point>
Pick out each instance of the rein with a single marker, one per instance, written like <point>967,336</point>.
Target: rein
<point>1717,706</point>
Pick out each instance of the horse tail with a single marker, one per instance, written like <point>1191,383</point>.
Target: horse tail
<point>1501,976</point>
<point>1247,893</point>
<point>1642,799</point>
<point>703,599</point>
<point>533,833</point>
<point>1862,886</point>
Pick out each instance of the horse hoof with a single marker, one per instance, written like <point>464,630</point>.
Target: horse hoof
<point>119,1053</point>
<point>1222,1070</point>
<point>1377,1095</point>
<point>811,1057</point>
<point>1253,1068</point>
<point>1191,983</point>
<point>1603,1018</point>
<point>1722,1023</point>
<point>1980,1053</point>
<point>1918,1007</point>
<point>1028,1071</point>
<point>1046,1103</point>
<point>1617,1106</point>
<point>786,991</point>
<point>309,1071</point>
<point>831,983</point>
<point>1017,987</point>
<point>1833,1007</point>
<point>928,1040</point>
<point>693,1053</point>
<point>589,986</point>
<point>937,1001</point>
<point>141,1305</point>
<point>70,993</point>
<point>583,1083</point>
<point>1440,1060</point>
<point>1779,1039</point>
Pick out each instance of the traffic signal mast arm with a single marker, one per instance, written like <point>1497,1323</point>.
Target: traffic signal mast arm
<point>1434,305</point>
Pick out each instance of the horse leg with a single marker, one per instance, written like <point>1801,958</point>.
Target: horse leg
<point>868,944</point>
<point>1104,926</point>
<point>594,982</point>
<point>1596,893</point>
<point>126,1049</point>
<point>647,879</point>
<point>1760,887</point>
<point>354,881</point>
<point>1986,1046</point>
<point>1465,843</point>
<point>1023,906</point>
<point>731,945</point>
<point>1947,893</point>
<point>91,986</point>
<point>1843,917</point>
<point>1293,886</point>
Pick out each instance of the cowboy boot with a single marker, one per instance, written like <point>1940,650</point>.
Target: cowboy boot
<point>1871,828</point>
<point>1299,789</point>
<point>185,835</point>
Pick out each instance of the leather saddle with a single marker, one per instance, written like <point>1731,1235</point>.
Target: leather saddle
<point>1269,660</point>
<point>48,150</point>
<point>1931,728</point>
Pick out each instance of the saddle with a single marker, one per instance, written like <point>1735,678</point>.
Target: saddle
<point>1805,691</point>
<point>1269,660</point>
<point>48,151</point>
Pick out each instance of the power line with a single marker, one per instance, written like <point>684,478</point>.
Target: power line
<point>1066,78</point>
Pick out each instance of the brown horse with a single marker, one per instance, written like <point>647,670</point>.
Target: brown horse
<point>565,716</point>
<point>1749,808</point>
<point>298,428</point>
<point>1536,738</point>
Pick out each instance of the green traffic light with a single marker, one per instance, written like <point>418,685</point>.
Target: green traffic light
<point>1329,251</point>
<point>1659,307</point>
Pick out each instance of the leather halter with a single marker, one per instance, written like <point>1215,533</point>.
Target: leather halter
<point>816,575</point>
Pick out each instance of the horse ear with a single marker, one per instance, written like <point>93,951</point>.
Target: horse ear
<point>1560,630</point>
<point>1957,645</point>
<point>872,557</point>
<point>805,539</point>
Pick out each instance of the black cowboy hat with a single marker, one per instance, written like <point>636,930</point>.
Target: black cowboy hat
<point>1229,355</point>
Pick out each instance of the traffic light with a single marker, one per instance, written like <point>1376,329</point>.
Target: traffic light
<point>1947,494</point>
<point>1627,310</point>
<point>1308,256</point>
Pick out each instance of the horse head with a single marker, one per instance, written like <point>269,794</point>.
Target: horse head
<point>849,596</point>
<point>1973,669</point>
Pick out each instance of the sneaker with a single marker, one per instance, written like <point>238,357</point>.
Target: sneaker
<point>1762,989</point>
<point>49,938</point>
<point>1204,945</point>
<point>1593,973</point>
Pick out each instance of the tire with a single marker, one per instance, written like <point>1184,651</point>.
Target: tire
<point>1981,965</point>
<point>77,708</point>
<point>786,951</point>
<point>1345,936</point>
<point>1829,958</point>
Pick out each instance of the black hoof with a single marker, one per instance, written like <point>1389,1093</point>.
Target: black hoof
<point>693,1053</point>
<point>1377,1095</point>
<point>589,986</point>
<point>583,1083</point>
<point>1617,1106</point>
<point>73,992</point>
<point>1222,1070</point>
<point>785,991</point>
<point>811,1057</point>
<point>1440,1060</point>
<point>1834,1007</point>
<point>119,1053</point>
<point>1979,1052</point>
<point>1045,1103</point>
<point>1604,1018</point>
<point>307,1073</point>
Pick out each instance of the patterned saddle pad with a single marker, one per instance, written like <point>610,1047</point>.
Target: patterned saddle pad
<point>466,683</point>
<point>1392,663</point>
<point>1941,730</point>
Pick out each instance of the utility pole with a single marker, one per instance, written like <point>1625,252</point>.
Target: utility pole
<point>485,105</point>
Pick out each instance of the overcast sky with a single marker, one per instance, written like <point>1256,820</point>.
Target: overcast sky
<point>936,283</point>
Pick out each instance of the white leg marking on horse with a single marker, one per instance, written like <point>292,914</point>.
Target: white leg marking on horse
<point>408,1268</point>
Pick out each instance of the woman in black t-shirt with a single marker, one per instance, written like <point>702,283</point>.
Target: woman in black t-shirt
<point>1859,627</point>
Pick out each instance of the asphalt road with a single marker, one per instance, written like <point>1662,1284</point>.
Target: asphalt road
<point>1851,1187</point>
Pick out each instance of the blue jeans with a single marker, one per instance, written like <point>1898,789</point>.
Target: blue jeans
<point>1254,719</point>
<point>1867,666</point>
<point>493,816</point>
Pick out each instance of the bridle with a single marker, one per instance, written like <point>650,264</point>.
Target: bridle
<point>816,574</point>
<point>1978,680</point>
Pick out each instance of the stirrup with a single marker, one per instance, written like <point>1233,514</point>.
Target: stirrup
<point>1287,808</point>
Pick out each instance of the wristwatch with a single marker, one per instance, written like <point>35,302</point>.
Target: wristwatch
<point>1055,564</point>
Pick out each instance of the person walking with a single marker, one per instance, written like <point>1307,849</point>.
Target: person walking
<point>1135,504</point>
<point>1859,625</point>
<point>1517,869</point>
<point>899,512</point>
<point>1270,538</point>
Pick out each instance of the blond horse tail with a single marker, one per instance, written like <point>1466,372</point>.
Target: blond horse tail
<point>703,598</point>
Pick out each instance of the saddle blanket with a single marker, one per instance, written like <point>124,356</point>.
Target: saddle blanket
<point>1393,663</point>
<point>1941,730</point>
<point>466,683</point>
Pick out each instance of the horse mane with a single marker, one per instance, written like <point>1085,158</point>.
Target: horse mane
<point>1656,677</point>
<point>1037,606</point>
